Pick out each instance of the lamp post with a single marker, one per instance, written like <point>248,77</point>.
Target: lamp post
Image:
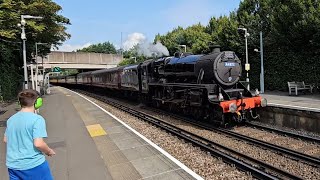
<point>247,65</point>
<point>185,47</point>
<point>24,38</point>
<point>262,69</point>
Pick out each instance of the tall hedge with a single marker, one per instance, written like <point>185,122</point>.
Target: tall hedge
<point>282,66</point>
<point>10,78</point>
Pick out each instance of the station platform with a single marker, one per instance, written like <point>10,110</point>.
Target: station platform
<point>309,102</point>
<point>92,144</point>
<point>298,113</point>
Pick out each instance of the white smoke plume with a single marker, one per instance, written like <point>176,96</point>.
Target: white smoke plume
<point>150,49</point>
<point>144,47</point>
<point>133,39</point>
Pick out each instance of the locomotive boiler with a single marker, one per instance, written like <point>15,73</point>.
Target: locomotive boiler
<point>223,68</point>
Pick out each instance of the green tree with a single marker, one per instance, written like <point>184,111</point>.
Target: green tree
<point>172,39</point>
<point>291,39</point>
<point>106,47</point>
<point>132,56</point>
<point>223,31</point>
<point>194,37</point>
<point>197,38</point>
<point>51,29</point>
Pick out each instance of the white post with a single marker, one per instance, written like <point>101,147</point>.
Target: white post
<point>23,37</point>
<point>37,88</point>
<point>36,78</point>
<point>247,59</point>
<point>32,79</point>
<point>48,83</point>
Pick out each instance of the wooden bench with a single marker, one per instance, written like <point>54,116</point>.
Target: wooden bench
<point>298,86</point>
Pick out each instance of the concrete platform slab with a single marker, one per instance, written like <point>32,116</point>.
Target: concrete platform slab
<point>302,102</point>
<point>77,156</point>
<point>176,175</point>
<point>83,154</point>
<point>139,152</point>
<point>156,165</point>
<point>130,172</point>
<point>125,154</point>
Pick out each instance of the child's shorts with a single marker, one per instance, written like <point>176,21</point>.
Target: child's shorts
<point>41,172</point>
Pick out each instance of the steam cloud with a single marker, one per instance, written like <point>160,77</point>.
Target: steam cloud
<point>149,49</point>
<point>144,47</point>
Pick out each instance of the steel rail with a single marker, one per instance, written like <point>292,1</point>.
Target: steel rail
<point>293,154</point>
<point>284,132</point>
<point>206,144</point>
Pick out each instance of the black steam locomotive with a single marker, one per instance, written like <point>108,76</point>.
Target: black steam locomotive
<point>205,87</point>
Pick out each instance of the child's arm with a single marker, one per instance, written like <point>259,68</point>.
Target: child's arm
<point>39,132</point>
<point>5,139</point>
<point>43,147</point>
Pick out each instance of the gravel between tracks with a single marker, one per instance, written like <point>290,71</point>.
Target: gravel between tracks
<point>312,149</point>
<point>199,161</point>
<point>302,132</point>
<point>298,168</point>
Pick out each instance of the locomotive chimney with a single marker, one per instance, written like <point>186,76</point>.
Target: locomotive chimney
<point>216,49</point>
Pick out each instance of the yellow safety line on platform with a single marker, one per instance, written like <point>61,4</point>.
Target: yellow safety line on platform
<point>96,130</point>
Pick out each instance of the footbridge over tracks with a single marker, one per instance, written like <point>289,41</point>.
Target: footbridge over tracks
<point>79,60</point>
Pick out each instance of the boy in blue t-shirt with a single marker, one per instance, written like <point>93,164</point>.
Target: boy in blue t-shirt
<point>25,145</point>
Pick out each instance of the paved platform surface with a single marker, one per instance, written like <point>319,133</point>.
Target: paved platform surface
<point>309,102</point>
<point>90,144</point>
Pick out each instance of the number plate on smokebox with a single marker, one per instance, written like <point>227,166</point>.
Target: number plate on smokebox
<point>229,64</point>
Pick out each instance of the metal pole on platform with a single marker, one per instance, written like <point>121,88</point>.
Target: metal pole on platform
<point>262,69</point>
<point>24,38</point>
<point>36,78</point>
<point>37,89</point>
<point>31,74</point>
<point>43,71</point>
<point>247,65</point>
<point>121,51</point>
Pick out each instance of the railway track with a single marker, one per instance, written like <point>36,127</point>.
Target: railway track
<point>256,168</point>
<point>314,161</point>
<point>284,132</point>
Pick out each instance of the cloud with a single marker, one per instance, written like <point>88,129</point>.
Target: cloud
<point>133,39</point>
<point>70,48</point>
